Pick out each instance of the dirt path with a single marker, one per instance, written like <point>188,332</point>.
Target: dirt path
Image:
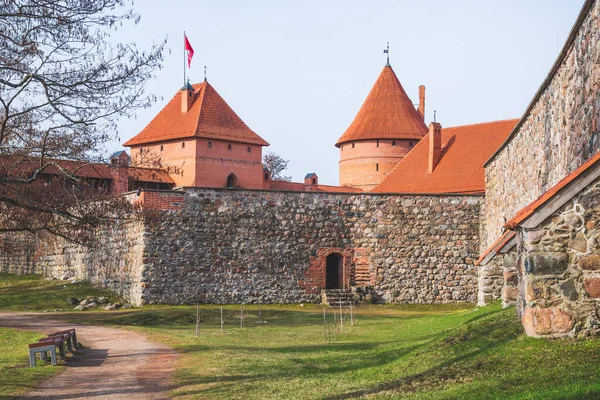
<point>115,363</point>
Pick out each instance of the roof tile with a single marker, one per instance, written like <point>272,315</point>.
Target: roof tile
<point>208,117</point>
<point>387,113</point>
<point>460,168</point>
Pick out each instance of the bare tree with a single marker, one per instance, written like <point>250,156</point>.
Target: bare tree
<point>276,165</point>
<point>63,84</point>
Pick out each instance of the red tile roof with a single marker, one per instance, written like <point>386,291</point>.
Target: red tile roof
<point>300,187</point>
<point>498,245</point>
<point>527,211</point>
<point>81,169</point>
<point>460,168</point>
<point>387,113</point>
<point>15,166</point>
<point>149,175</point>
<point>208,117</point>
<point>337,189</point>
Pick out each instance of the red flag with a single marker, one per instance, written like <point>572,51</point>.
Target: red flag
<point>189,49</point>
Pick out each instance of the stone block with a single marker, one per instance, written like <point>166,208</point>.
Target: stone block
<point>510,278</point>
<point>509,293</point>
<point>546,263</point>
<point>590,263</point>
<point>535,290</point>
<point>592,287</point>
<point>579,243</point>
<point>547,321</point>
<point>569,290</point>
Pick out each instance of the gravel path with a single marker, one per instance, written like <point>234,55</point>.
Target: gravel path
<point>115,363</point>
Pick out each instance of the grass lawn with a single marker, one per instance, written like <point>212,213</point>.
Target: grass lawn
<point>15,375</point>
<point>414,352</point>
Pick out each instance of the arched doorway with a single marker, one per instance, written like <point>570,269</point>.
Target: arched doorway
<point>332,272</point>
<point>232,181</point>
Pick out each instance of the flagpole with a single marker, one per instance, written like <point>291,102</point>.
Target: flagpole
<point>183,58</point>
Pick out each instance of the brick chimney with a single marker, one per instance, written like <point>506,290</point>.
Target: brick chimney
<point>311,182</point>
<point>421,108</point>
<point>435,145</point>
<point>187,97</point>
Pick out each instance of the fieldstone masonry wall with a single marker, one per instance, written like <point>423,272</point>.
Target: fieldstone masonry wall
<point>115,262</point>
<point>229,245</point>
<point>225,245</point>
<point>490,281</point>
<point>559,133</point>
<point>559,270</point>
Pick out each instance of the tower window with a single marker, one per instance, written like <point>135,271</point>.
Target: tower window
<point>410,144</point>
<point>161,147</point>
<point>314,181</point>
<point>141,150</point>
<point>229,147</point>
<point>393,142</point>
<point>249,149</point>
<point>183,145</point>
<point>266,176</point>
<point>352,145</point>
<point>209,145</point>
<point>376,167</point>
<point>377,142</point>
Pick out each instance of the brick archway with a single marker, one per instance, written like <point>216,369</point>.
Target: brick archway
<point>316,276</point>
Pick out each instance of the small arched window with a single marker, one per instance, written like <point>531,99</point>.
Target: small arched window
<point>209,145</point>
<point>266,176</point>
<point>141,150</point>
<point>183,145</point>
<point>314,181</point>
<point>229,147</point>
<point>393,142</point>
<point>232,181</point>
<point>376,167</point>
<point>249,149</point>
<point>377,142</point>
<point>161,147</point>
<point>352,145</point>
<point>410,144</point>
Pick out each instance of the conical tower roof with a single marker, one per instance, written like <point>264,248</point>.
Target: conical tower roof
<point>209,117</point>
<point>387,113</point>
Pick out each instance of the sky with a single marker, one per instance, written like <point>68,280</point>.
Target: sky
<point>297,72</point>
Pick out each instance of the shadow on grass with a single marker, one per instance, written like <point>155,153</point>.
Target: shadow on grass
<point>479,336</point>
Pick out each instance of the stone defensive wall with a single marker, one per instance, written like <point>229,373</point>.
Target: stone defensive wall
<point>232,246</point>
<point>558,132</point>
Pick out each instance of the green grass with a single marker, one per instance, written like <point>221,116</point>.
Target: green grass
<point>414,352</point>
<point>33,293</point>
<point>15,375</point>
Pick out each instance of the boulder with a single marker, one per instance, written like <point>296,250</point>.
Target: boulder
<point>72,301</point>
<point>79,308</point>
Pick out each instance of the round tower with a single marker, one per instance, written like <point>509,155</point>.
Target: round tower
<point>386,127</point>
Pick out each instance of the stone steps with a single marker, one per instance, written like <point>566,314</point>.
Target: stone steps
<point>333,297</point>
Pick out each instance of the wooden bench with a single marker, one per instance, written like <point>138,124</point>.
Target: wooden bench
<point>50,343</point>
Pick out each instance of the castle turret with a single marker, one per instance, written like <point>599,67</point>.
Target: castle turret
<point>385,129</point>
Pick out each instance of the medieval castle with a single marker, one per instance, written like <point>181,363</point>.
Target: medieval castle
<point>423,214</point>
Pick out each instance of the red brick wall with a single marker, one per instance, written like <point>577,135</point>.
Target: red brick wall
<point>315,278</point>
<point>178,159</point>
<point>213,165</point>
<point>198,165</point>
<point>158,200</point>
<point>366,164</point>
